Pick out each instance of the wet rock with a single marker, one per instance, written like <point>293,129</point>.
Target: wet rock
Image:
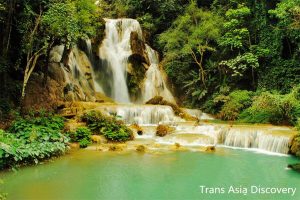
<point>116,147</point>
<point>295,167</point>
<point>210,149</point>
<point>163,130</point>
<point>56,72</point>
<point>295,145</point>
<point>137,128</point>
<point>141,148</point>
<point>177,145</point>
<point>42,95</point>
<point>138,48</point>
<point>56,53</point>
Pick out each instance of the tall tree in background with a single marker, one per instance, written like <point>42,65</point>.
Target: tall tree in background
<point>60,22</point>
<point>192,34</point>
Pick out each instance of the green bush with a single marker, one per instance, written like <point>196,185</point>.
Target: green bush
<point>82,135</point>
<point>273,108</point>
<point>31,140</point>
<point>237,101</point>
<point>215,103</point>
<point>112,129</point>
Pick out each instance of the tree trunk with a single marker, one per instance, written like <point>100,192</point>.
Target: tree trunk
<point>8,27</point>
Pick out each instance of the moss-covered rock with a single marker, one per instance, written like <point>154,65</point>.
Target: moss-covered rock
<point>163,130</point>
<point>210,149</point>
<point>137,128</point>
<point>117,147</point>
<point>295,146</point>
<point>141,148</point>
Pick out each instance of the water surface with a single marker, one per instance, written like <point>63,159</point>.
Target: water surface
<point>89,174</point>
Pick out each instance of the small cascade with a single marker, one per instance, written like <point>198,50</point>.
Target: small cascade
<point>259,139</point>
<point>75,68</point>
<point>90,55</point>
<point>142,114</point>
<point>154,84</point>
<point>114,53</point>
<point>198,113</point>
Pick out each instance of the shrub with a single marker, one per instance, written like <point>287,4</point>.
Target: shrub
<point>215,103</point>
<point>295,143</point>
<point>81,135</point>
<point>112,129</point>
<point>237,101</point>
<point>32,140</point>
<point>264,109</point>
<point>273,108</point>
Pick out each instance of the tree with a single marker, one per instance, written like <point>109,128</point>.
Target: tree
<point>193,34</point>
<point>237,40</point>
<point>62,22</point>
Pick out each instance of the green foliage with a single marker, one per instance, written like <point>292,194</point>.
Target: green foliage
<point>81,135</point>
<point>71,20</point>
<point>241,63</point>
<point>273,108</point>
<point>189,40</point>
<point>113,130</point>
<point>236,34</point>
<point>32,140</point>
<point>238,100</point>
<point>214,104</point>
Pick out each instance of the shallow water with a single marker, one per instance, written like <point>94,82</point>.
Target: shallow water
<point>89,174</point>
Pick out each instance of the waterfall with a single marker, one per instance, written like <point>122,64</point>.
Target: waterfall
<point>198,113</point>
<point>98,87</point>
<point>142,114</point>
<point>259,139</point>
<point>115,51</point>
<point>154,84</point>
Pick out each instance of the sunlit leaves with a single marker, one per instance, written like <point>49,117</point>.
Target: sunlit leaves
<point>241,63</point>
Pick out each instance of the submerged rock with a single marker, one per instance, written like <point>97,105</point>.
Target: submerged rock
<point>116,147</point>
<point>295,167</point>
<point>141,148</point>
<point>210,149</point>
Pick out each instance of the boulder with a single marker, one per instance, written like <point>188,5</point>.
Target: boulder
<point>295,145</point>
<point>163,130</point>
<point>295,167</point>
<point>137,128</point>
<point>210,149</point>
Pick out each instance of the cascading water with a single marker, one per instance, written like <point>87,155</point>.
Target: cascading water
<point>142,114</point>
<point>154,84</point>
<point>192,134</point>
<point>98,87</point>
<point>115,51</point>
<point>114,54</point>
